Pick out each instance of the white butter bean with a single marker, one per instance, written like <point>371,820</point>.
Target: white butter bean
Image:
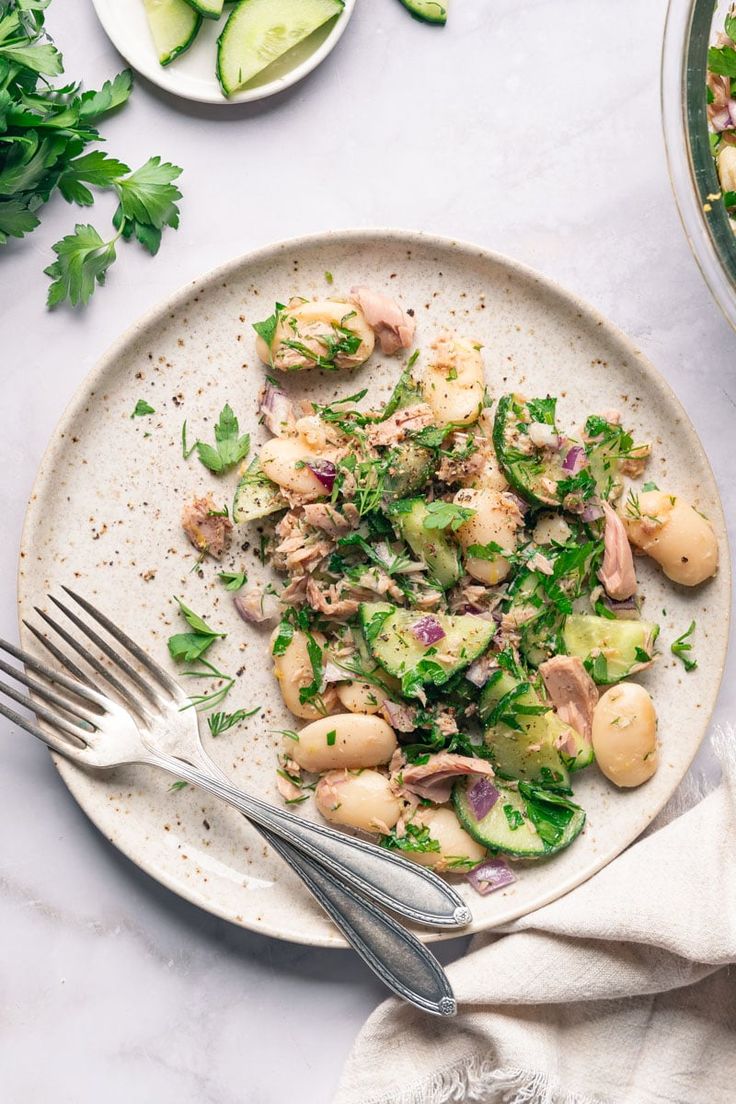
<point>727,168</point>
<point>359,799</point>
<point>455,843</point>
<point>283,461</point>
<point>625,734</point>
<point>349,740</point>
<point>672,532</point>
<point>453,384</point>
<point>496,521</point>
<point>361,697</point>
<point>293,670</point>
<point>315,326</point>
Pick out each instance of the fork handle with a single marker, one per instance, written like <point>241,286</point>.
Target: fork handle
<point>396,956</point>
<point>393,882</point>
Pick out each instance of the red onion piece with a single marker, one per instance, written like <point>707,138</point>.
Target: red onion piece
<point>574,459</point>
<point>626,608</point>
<point>427,630</point>
<point>592,512</point>
<point>325,471</point>
<point>276,410</point>
<point>482,795</point>
<point>490,876</point>
<point>256,606</point>
<point>520,503</point>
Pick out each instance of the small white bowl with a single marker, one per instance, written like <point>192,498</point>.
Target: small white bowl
<point>192,76</point>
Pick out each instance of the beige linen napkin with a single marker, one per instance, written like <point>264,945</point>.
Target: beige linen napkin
<point>618,993</point>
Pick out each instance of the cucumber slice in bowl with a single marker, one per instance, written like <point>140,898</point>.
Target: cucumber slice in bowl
<point>526,823</point>
<point>174,25</point>
<point>428,11</point>
<point>208,9</point>
<point>260,31</point>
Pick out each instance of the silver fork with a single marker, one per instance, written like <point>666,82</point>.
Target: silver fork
<point>98,732</point>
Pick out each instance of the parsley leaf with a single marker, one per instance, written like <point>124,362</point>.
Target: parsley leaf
<point>444,515</point>
<point>722,61</point>
<point>230,447</point>
<point>267,328</point>
<point>192,645</point>
<point>142,408</point>
<point>543,410</point>
<point>83,259</point>
<point>283,638</point>
<point>682,646</point>
<point>233,580</point>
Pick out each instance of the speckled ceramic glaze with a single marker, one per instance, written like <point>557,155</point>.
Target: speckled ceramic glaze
<point>104,517</point>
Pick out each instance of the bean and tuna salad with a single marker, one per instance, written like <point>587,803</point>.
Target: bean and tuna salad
<point>455,618</point>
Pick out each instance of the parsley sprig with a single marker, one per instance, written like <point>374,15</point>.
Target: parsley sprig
<point>230,446</point>
<point>683,646</point>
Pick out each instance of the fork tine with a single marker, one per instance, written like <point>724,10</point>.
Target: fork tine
<point>84,691</point>
<point>95,664</point>
<point>135,650</point>
<point>54,742</point>
<point>43,691</point>
<point>42,712</point>
<point>58,655</point>
<point>153,696</point>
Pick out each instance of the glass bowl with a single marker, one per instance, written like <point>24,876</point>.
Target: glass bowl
<point>690,28</point>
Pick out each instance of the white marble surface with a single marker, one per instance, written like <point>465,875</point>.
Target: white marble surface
<point>532,128</point>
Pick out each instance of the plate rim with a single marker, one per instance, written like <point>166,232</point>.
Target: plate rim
<point>156,73</point>
<point>67,770</point>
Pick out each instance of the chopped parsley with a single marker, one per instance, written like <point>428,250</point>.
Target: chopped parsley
<point>416,838</point>
<point>141,409</point>
<point>233,580</point>
<point>446,515</point>
<point>683,646</point>
<point>267,329</point>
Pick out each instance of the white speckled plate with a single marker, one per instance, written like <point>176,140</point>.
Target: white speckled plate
<point>104,516</point>
<point>192,76</point>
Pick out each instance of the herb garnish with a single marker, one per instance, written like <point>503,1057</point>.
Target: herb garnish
<point>233,580</point>
<point>192,646</point>
<point>682,646</point>
<point>230,447</point>
<point>221,722</point>
<point>446,515</point>
<point>141,409</point>
<point>415,838</point>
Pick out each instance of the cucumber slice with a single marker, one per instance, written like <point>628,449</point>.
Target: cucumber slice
<point>173,25</point>
<point>525,747</point>
<point>441,556</point>
<point>260,31</point>
<point>578,751</point>
<point>610,649</point>
<point>256,496</point>
<point>208,9</point>
<point>411,467</point>
<point>388,632</point>
<point>527,468</point>
<point>428,11</point>
<point>527,823</point>
<point>405,393</point>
